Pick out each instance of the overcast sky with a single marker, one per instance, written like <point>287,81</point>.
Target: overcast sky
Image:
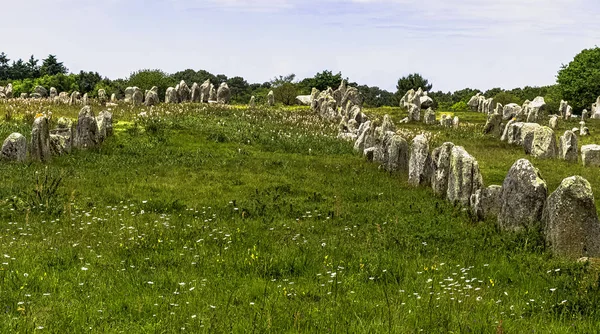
<point>454,43</point>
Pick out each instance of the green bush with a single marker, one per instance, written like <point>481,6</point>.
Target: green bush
<point>579,81</point>
<point>459,106</point>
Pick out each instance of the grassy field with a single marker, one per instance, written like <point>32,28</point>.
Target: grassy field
<point>196,219</point>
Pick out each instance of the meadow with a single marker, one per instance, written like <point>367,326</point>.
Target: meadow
<point>223,219</point>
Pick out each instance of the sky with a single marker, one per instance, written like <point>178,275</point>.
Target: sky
<point>453,43</point>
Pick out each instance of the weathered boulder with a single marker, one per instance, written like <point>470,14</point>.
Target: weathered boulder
<point>536,110</point>
<point>590,155</point>
<point>350,99</point>
<point>85,100</point>
<point>137,98</point>
<point>426,102</point>
<point>14,148</point>
<point>152,98</point>
<point>446,121</point>
<point>195,93</point>
<point>75,98</point>
<point>365,137</point>
<point>8,91</point>
<point>129,94</point>
<point>212,96</point>
<point>54,93</point>
<point>419,165</point>
<point>271,99</point>
<point>544,143</point>
<point>303,100</point>
<point>113,98</point>
<point>414,112</point>
<point>567,147</point>
<point>429,117</point>
<point>562,109</point>
<point>493,125</point>
<point>553,123</point>
<point>527,131</point>
<point>40,140</point>
<point>24,95</point>
<point>474,102</point>
<point>570,221</point>
<point>585,115</point>
<point>61,138</point>
<point>171,95</point>
<point>252,102</point>
<point>523,197</point>
<point>511,110</point>
<point>41,91</point>
<point>87,129</point>
<point>183,92</point>
<point>486,203</point>
<point>102,96</point>
<point>398,153</point>
<point>105,126</point>
<point>205,91</point>
<point>464,178</point>
<point>440,159</point>
<point>223,94</point>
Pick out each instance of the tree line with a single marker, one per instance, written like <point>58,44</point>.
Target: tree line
<point>577,82</point>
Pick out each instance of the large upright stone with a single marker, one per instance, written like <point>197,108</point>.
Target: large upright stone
<point>41,91</point>
<point>464,178</point>
<point>414,112</point>
<point>419,166</point>
<point>14,148</point>
<point>429,117</point>
<point>40,140</point>
<point>440,158</point>
<point>137,98</point>
<point>8,91</point>
<point>252,102</point>
<point>536,110</point>
<point>61,138</point>
<point>53,93</point>
<point>196,93</point>
<point>85,100</point>
<point>366,138</point>
<point>271,99</point>
<point>213,93</point>
<point>129,94</point>
<point>523,197</point>
<point>87,129</point>
<point>511,110</point>
<point>223,94</point>
<point>102,96</point>
<point>171,95</point>
<point>398,153</point>
<point>486,203</point>
<point>527,132</point>
<point>205,91</point>
<point>184,93</point>
<point>474,102</point>
<point>590,155</point>
<point>74,100</point>
<point>544,143</point>
<point>570,221</point>
<point>493,125</point>
<point>350,99</point>
<point>105,126</point>
<point>152,98</point>
<point>567,147</point>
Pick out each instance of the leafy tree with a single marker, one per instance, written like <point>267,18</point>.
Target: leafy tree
<point>321,81</point>
<point>579,81</point>
<point>4,67</point>
<point>412,81</point>
<point>459,106</point>
<point>87,81</point>
<point>506,98</point>
<point>190,76</point>
<point>146,79</point>
<point>375,97</point>
<point>286,93</point>
<point>280,80</point>
<point>240,90</point>
<point>464,94</point>
<point>18,70</point>
<point>493,92</point>
<point>221,78</point>
<point>62,82</point>
<point>51,66</point>
<point>33,70</point>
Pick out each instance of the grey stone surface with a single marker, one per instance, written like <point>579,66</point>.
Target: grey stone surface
<point>440,158</point>
<point>544,143</point>
<point>493,126</point>
<point>398,154</point>
<point>570,221</point>
<point>567,147</point>
<point>184,94</point>
<point>486,203</point>
<point>14,148</point>
<point>152,98</point>
<point>429,117</point>
<point>87,129</point>
<point>419,166</point>
<point>464,178</point>
<point>40,140</point>
<point>205,91</point>
<point>271,99</point>
<point>223,94</point>
<point>523,197</point>
<point>171,95</point>
<point>590,155</point>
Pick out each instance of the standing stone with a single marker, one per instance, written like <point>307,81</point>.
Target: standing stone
<point>562,109</point>
<point>223,94</point>
<point>87,129</point>
<point>205,91</point>
<point>414,112</point>
<point>212,96</point>
<point>14,148</point>
<point>183,92</point>
<point>486,203</point>
<point>398,152</point>
<point>152,98</point>
<point>553,123</point>
<point>75,96</point>
<point>567,147</point>
<point>53,93</point>
<point>455,122</point>
<point>196,93</point>
<point>527,135</point>
<point>511,110</point>
<point>536,110</point>
<point>252,102</point>
<point>419,166</point>
<point>105,126</point>
<point>61,138</point>
<point>40,140</point>
<point>41,91</point>
<point>544,143</point>
<point>570,220</point>
<point>440,158</point>
<point>170,95</point>
<point>8,91</point>
<point>129,94</point>
<point>85,100</point>
<point>523,197</point>
<point>271,99</point>
<point>585,115</point>
<point>464,178</point>
<point>137,98</point>
<point>102,96</point>
<point>113,98</point>
<point>507,130</point>
<point>429,117</point>
<point>365,137</point>
<point>493,125</point>
<point>350,99</point>
<point>590,155</point>
<point>474,102</point>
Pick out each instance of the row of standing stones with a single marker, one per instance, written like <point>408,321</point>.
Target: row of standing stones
<point>568,217</point>
<point>205,93</point>
<point>90,131</point>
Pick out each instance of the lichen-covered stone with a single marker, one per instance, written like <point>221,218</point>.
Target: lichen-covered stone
<point>523,197</point>
<point>493,126</point>
<point>184,93</point>
<point>171,95</point>
<point>440,158</point>
<point>105,127</point>
<point>152,98</point>
<point>419,166</point>
<point>40,140</point>
<point>486,203</point>
<point>570,221</point>
<point>223,94</point>
<point>567,147</point>
<point>544,143</point>
<point>398,153</point>
<point>464,178</point>
<point>87,129</point>
<point>590,155</point>
<point>14,148</point>
<point>429,117</point>
<point>271,98</point>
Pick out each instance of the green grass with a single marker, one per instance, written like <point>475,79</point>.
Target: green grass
<point>228,220</point>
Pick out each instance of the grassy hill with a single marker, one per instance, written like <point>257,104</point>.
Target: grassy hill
<point>203,219</point>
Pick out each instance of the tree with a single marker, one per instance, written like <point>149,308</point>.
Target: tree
<point>18,70</point>
<point>286,93</point>
<point>33,70</point>
<point>506,98</point>
<point>280,80</point>
<point>51,66</point>
<point>4,66</point>
<point>375,97</point>
<point>240,90</point>
<point>579,81</point>
<point>87,81</point>
<point>146,79</point>
<point>412,81</point>
<point>321,81</point>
